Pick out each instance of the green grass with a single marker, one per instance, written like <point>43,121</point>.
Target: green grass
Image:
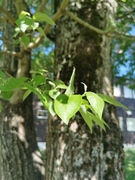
<point>43,154</point>
<point>130,163</point>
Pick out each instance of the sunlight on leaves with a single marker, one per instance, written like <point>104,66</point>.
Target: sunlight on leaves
<point>70,89</point>
<point>67,105</point>
<point>40,17</point>
<point>112,101</point>
<point>96,102</point>
<point>86,116</point>
<point>6,94</point>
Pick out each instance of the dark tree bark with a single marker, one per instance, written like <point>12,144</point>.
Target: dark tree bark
<point>20,158</point>
<point>72,151</point>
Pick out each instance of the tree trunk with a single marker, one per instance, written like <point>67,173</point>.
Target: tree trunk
<point>72,151</point>
<point>20,158</point>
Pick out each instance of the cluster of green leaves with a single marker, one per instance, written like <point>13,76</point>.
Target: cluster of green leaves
<point>27,23</point>
<point>60,99</point>
<point>8,84</point>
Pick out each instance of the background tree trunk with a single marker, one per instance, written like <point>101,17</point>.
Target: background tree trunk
<point>72,151</point>
<point>20,158</point>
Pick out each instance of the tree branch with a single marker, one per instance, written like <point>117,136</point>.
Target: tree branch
<point>42,5</point>
<point>55,17</point>
<point>85,24</point>
<point>121,35</point>
<point>62,10</point>
<point>9,18</point>
<point>126,14</point>
<point>3,19</point>
<point>12,53</point>
<point>110,33</point>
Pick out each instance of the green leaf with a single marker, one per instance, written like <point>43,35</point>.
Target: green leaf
<point>12,83</point>
<point>61,86</point>
<point>85,102</point>
<point>96,103</point>
<point>29,21</point>
<point>70,89</point>
<point>39,71</point>
<point>98,121</point>
<point>58,82</point>
<point>33,89</point>
<point>86,116</point>
<point>66,106</point>
<point>2,74</point>
<point>25,39</point>
<point>41,31</point>
<point>6,94</point>
<point>35,26</point>
<point>51,83</point>
<point>43,97</point>
<point>38,80</point>
<point>24,23</point>
<point>85,87</point>
<point>21,24</point>
<point>40,17</point>
<point>26,94</point>
<point>112,101</point>
<point>51,108</point>
<point>54,93</point>
<point>17,31</point>
<point>23,14</point>
<point>16,41</point>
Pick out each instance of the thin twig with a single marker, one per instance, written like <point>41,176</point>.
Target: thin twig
<point>55,17</point>
<point>110,33</point>
<point>127,10</point>
<point>85,24</point>
<point>121,35</point>
<point>126,14</point>
<point>12,53</point>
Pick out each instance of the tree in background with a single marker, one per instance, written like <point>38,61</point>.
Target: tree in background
<point>19,154</point>
<point>123,48</point>
<point>72,151</point>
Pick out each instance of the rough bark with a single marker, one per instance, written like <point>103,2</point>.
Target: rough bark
<point>20,158</point>
<point>72,151</point>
